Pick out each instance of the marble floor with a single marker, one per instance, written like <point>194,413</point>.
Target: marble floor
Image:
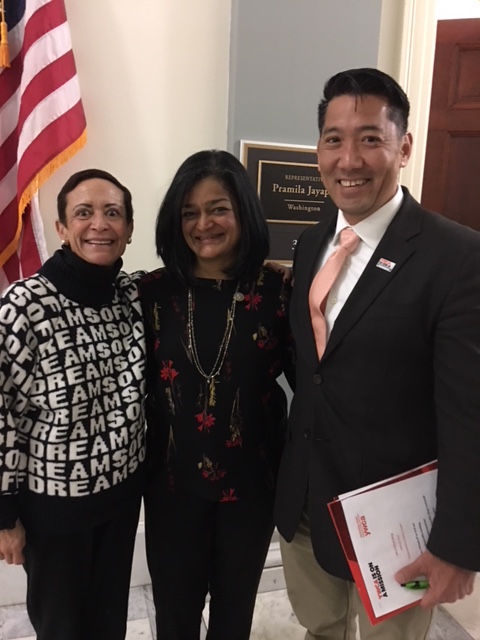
<point>273,619</point>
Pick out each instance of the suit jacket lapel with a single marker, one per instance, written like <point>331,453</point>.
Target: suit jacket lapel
<point>395,246</point>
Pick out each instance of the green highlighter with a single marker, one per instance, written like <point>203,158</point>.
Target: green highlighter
<point>416,584</point>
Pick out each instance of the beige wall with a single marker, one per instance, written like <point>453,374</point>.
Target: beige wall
<point>450,10</point>
<point>154,82</point>
<point>155,89</point>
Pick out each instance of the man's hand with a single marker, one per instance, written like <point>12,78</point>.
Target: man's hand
<point>448,582</point>
<point>12,543</point>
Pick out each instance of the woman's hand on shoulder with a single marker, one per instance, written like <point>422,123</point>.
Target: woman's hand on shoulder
<point>281,268</point>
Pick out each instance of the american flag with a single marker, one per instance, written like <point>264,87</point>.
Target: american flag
<point>42,124</point>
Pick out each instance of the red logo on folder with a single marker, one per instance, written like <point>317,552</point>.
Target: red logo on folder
<point>362,526</point>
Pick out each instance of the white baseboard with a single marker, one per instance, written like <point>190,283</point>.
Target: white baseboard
<point>12,584</point>
<point>140,573</point>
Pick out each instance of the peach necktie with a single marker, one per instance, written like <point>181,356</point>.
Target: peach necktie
<point>323,282</point>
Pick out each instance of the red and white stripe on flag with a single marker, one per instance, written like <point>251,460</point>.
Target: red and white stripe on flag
<point>42,124</point>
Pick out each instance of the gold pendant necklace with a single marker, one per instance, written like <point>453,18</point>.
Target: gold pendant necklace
<point>222,352</point>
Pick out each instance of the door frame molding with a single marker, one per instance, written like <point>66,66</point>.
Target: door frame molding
<point>406,51</point>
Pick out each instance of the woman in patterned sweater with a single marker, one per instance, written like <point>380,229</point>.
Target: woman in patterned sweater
<point>72,385</point>
<point>217,339</point>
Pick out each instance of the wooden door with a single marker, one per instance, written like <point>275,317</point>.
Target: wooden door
<point>451,183</point>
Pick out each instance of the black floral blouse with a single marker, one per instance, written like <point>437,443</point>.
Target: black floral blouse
<point>217,439</point>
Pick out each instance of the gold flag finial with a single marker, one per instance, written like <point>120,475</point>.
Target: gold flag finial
<point>4,51</point>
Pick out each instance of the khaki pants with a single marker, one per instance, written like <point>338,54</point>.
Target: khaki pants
<point>329,607</point>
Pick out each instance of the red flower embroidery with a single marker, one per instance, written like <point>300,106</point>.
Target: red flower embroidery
<point>210,471</point>
<point>264,339</point>
<point>228,496</point>
<point>252,300</point>
<point>168,372</point>
<point>234,442</point>
<point>268,343</point>
<point>205,420</point>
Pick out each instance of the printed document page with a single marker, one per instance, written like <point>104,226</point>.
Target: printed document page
<point>389,527</point>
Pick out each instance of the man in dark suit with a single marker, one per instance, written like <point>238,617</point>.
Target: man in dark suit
<point>398,383</point>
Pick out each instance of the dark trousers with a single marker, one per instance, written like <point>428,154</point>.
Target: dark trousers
<point>195,546</point>
<point>78,583</point>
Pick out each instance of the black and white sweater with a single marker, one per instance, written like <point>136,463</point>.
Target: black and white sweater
<point>72,386</point>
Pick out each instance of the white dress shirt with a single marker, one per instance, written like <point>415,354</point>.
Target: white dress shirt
<point>370,231</point>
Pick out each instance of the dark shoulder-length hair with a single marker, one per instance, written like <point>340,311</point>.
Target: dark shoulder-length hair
<point>254,244</point>
<point>91,174</point>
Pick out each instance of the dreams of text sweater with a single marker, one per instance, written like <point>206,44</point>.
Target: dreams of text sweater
<point>72,385</point>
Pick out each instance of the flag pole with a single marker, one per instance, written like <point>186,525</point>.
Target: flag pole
<point>4,51</point>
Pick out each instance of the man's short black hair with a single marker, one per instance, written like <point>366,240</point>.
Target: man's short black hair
<point>367,82</point>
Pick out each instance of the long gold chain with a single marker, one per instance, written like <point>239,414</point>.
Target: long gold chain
<point>222,352</point>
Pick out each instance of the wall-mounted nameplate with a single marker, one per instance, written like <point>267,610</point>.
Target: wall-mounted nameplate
<point>291,191</point>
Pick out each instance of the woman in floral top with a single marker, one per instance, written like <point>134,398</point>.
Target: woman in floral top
<point>217,338</point>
